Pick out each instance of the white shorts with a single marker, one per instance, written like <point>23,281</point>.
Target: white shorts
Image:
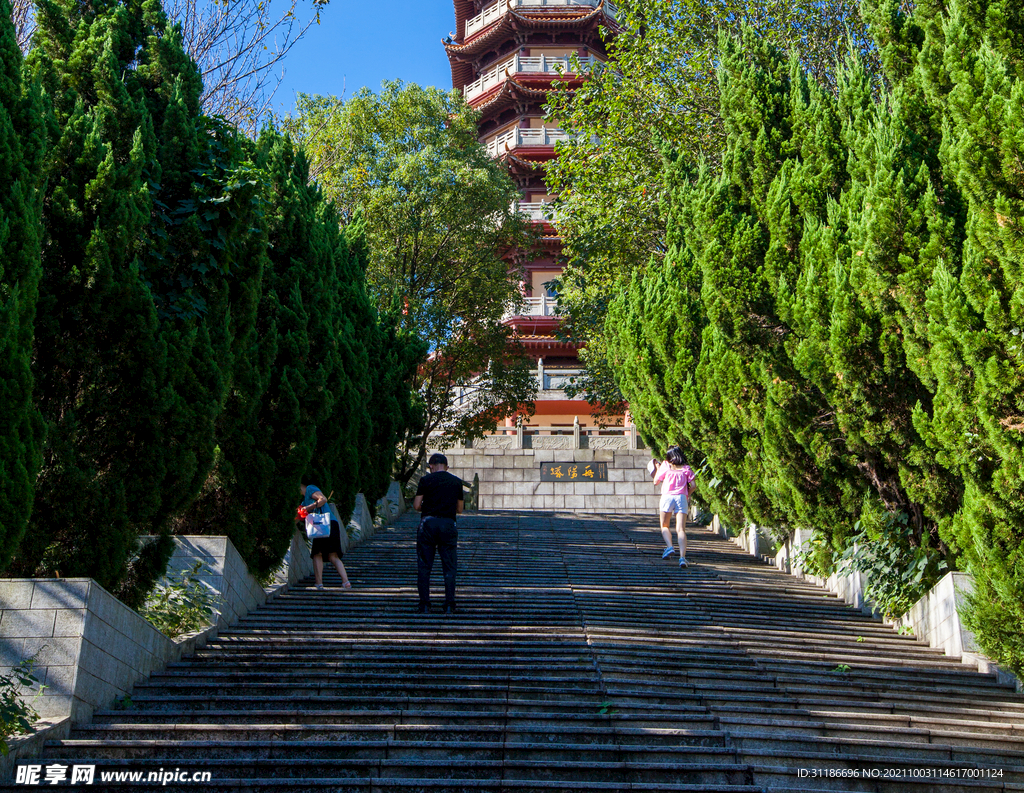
<point>673,504</point>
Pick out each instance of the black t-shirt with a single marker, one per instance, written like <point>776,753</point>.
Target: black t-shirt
<point>441,491</point>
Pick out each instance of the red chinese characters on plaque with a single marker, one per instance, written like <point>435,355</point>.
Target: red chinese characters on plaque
<point>574,472</point>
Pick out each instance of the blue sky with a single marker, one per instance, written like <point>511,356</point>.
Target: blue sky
<point>360,43</point>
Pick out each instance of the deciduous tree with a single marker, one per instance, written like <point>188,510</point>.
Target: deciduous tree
<point>443,232</point>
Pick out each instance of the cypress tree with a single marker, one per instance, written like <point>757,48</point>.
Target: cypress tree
<point>976,315</point>
<point>130,334</point>
<point>837,324</point>
<point>266,434</point>
<point>323,389</point>
<point>781,163</point>
<point>21,154</point>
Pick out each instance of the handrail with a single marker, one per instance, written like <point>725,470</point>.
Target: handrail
<point>538,211</point>
<point>517,136</point>
<point>523,64</point>
<point>496,11</point>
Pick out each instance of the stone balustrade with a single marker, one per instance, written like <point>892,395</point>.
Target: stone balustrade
<point>523,64</point>
<point>552,438</point>
<point>518,137</point>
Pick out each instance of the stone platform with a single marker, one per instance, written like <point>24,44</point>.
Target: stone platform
<point>510,475</point>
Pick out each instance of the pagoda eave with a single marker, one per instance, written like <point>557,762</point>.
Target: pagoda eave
<point>548,344</point>
<point>512,91</point>
<point>539,157</point>
<point>544,19</point>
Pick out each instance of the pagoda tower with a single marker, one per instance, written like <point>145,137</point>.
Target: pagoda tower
<point>505,57</point>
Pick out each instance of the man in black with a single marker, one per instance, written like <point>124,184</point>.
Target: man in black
<point>440,498</point>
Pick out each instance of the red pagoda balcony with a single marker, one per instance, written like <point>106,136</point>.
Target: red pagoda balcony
<point>518,138</point>
<point>496,11</point>
<point>523,65</point>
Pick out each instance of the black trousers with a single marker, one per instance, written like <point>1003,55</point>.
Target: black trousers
<point>441,535</point>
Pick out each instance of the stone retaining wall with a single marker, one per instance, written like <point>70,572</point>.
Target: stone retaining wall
<point>510,477</point>
<point>91,649</point>
<point>224,574</point>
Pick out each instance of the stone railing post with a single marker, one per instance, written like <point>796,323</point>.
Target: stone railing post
<point>576,432</point>
<point>519,432</point>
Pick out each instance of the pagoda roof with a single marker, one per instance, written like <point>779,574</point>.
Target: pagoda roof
<point>510,22</point>
<point>524,164</point>
<point>465,10</point>
<point>513,90</point>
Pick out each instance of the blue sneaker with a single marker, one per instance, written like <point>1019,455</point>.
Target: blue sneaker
<point>668,553</point>
<point>682,561</point>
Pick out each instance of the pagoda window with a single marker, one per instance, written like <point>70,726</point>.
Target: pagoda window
<point>539,280</point>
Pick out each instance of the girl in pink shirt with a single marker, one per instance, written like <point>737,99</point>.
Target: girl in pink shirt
<point>677,485</point>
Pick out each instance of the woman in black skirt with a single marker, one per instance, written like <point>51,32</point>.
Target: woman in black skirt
<point>330,547</point>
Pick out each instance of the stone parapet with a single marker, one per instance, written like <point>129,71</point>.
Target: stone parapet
<point>510,477</point>
<point>89,647</point>
<point>934,619</point>
<point>224,574</point>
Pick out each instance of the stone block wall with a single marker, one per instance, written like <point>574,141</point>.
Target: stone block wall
<point>90,648</point>
<point>224,573</point>
<point>510,477</point>
<point>935,618</point>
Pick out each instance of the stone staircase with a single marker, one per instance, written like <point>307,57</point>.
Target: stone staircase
<point>580,661</point>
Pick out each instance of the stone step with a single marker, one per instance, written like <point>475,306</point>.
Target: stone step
<point>511,720</point>
<point>497,733</point>
<point>579,661</point>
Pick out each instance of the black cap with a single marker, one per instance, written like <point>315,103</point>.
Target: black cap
<point>437,459</point>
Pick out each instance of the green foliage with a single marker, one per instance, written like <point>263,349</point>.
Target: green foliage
<point>127,355</point>
<point>836,325</point>
<point>326,390</point>
<point>180,604</point>
<point>897,571</point>
<point>144,568</point>
<point>16,714</point>
<point>22,138</point>
<point>973,306</point>
<point>441,226</point>
<point>660,86</point>
<point>203,333</point>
